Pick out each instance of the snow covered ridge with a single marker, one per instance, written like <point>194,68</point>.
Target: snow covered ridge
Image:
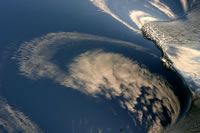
<point>180,42</point>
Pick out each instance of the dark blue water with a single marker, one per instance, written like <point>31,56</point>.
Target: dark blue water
<point>57,107</point>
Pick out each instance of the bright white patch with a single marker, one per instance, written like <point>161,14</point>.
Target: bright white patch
<point>184,5</point>
<point>163,7</point>
<point>140,18</point>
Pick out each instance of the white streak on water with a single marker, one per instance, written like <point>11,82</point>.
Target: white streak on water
<point>163,7</point>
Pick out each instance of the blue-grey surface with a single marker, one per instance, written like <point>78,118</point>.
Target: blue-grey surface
<point>83,66</point>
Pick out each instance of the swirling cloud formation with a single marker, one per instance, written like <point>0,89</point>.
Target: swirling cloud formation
<point>147,97</point>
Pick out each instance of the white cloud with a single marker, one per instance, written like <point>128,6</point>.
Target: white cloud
<point>101,4</point>
<point>163,8</point>
<point>140,12</point>
<point>140,18</point>
<point>98,73</point>
<point>13,121</point>
<point>184,5</point>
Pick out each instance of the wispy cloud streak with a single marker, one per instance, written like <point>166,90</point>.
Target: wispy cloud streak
<point>12,121</point>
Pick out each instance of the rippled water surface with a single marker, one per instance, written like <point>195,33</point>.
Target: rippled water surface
<point>84,66</point>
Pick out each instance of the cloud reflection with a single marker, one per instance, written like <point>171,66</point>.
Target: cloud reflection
<point>146,96</point>
<point>12,121</point>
